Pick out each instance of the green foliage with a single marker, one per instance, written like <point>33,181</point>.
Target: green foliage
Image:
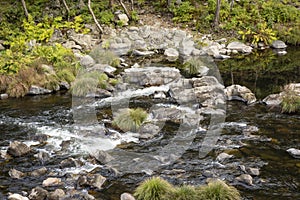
<point>154,188</point>
<point>218,190</point>
<point>130,119</point>
<point>185,192</point>
<point>66,75</point>
<point>103,56</point>
<point>290,103</point>
<point>262,34</point>
<point>106,17</point>
<point>88,83</point>
<point>183,12</point>
<point>193,66</point>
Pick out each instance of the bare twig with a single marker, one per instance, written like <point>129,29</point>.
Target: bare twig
<point>66,6</point>
<point>25,8</point>
<point>125,10</point>
<point>94,17</point>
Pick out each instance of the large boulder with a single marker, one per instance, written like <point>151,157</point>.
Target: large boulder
<point>241,93</point>
<point>294,152</point>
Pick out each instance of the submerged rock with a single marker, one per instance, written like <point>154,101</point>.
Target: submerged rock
<point>17,149</point>
<point>294,152</point>
<point>102,156</point>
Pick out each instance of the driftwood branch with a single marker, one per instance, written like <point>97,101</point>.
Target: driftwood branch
<point>25,8</point>
<point>94,17</point>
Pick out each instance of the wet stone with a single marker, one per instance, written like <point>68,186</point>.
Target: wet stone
<point>38,193</point>
<point>52,182</point>
<point>17,149</point>
<point>39,172</point>
<point>17,197</point>
<point>58,194</point>
<point>254,171</point>
<point>245,178</point>
<point>16,174</point>
<point>126,196</point>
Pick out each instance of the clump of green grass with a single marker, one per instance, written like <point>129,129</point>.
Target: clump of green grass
<point>185,192</point>
<point>88,82</point>
<point>290,103</point>
<point>154,188</point>
<point>130,119</point>
<point>218,190</point>
<point>193,67</point>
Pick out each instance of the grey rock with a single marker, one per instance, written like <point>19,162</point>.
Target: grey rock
<point>159,95</point>
<point>186,47</point>
<point>37,90</point>
<point>58,194</point>
<point>84,40</point>
<point>2,47</point>
<point>242,93</point>
<point>171,52</point>
<point>64,85</point>
<point>17,149</point>
<point>126,196</point>
<point>278,44</point>
<point>103,68</point>
<point>240,47</point>
<point>4,96</point>
<point>69,162</point>
<point>273,100</point>
<point>151,76</point>
<point>294,152</point>
<point>97,181</point>
<point>254,171</point>
<point>245,178</point>
<point>16,197</point>
<point>120,49</point>
<point>148,130</point>
<point>142,53</point>
<point>99,93</point>
<point>16,174</point>
<point>223,156</point>
<point>123,18</point>
<point>102,156</point>
<point>213,50</point>
<point>39,172</point>
<point>52,182</point>
<point>38,193</point>
<point>87,61</point>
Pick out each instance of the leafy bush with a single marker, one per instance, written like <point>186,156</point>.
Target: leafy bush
<point>185,192</point>
<point>154,188</point>
<point>88,83</point>
<point>290,103</point>
<point>218,190</point>
<point>183,12</point>
<point>130,119</point>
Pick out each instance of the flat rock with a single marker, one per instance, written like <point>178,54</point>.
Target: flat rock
<point>87,61</point>
<point>223,156</point>
<point>240,47</point>
<point>294,152</point>
<point>16,174</point>
<point>52,182</point>
<point>17,149</point>
<point>17,197</point>
<point>278,44</point>
<point>253,171</point>
<point>142,53</point>
<point>37,90</point>
<point>273,100</point>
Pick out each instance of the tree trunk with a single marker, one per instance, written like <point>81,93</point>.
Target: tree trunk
<point>94,17</point>
<point>217,13</point>
<point>25,8</point>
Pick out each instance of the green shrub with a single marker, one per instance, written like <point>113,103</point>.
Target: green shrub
<point>130,119</point>
<point>153,188</point>
<point>193,66</point>
<point>185,192</point>
<point>183,12</point>
<point>290,103</point>
<point>106,17</point>
<point>218,190</point>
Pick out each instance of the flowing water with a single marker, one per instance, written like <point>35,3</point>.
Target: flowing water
<point>23,119</point>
